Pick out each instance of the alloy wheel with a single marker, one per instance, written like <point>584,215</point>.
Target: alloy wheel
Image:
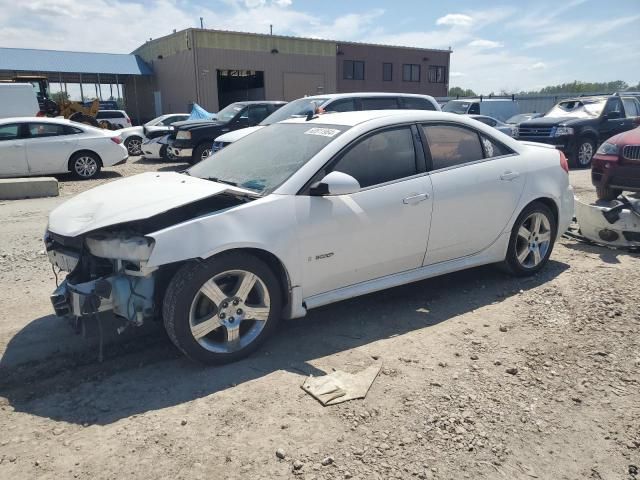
<point>229,311</point>
<point>533,241</point>
<point>134,146</point>
<point>585,152</point>
<point>85,166</point>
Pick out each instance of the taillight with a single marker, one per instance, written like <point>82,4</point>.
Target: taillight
<point>636,121</point>
<point>117,140</point>
<point>564,163</point>
<point>127,119</point>
<point>40,114</point>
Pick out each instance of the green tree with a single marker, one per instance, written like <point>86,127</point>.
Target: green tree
<point>58,97</point>
<point>460,92</point>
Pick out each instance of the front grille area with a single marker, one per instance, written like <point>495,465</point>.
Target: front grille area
<point>631,152</point>
<point>534,132</point>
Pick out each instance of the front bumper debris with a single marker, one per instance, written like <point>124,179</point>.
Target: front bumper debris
<point>181,152</point>
<point>615,223</point>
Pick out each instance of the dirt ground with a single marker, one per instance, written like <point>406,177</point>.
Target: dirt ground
<point>484,376</point>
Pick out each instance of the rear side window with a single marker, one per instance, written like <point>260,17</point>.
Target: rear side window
<point>416,103</point>
<point>491,148</point>
<point>487,121</point>
<point>104,115</point>
<point>38,130</point>
<point>9,132</point>
<point>451,145</point>
<point>380,158</point>
<point>630,107</point>
<point>380,103</point>
<point>257,113</point>
<point>474,109</point>
<point>343,105</point>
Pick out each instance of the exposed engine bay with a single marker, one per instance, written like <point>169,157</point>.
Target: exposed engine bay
<point>107,269</point>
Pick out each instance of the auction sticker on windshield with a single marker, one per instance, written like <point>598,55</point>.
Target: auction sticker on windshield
<point>324,132</point>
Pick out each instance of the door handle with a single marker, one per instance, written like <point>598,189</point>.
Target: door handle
<point>415,198</point>
<point>509,175</point>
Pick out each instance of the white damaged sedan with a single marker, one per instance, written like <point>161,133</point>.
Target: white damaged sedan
<point>304,213</point>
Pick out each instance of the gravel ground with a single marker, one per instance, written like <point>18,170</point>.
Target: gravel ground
<point>484,376</point>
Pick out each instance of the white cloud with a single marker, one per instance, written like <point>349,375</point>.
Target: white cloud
<point>455,19</point>
<point>283,3</point>
<point>457,74</point>
<point>536,66</point>
<point>484,44</point>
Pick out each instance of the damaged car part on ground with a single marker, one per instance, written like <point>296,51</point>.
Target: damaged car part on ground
<point>340,205</point>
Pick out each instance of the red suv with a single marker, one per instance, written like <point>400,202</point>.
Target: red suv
<point>616,165</point>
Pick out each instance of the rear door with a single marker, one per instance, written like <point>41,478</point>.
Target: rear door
<point>13,157</point>
<point>477,184</point>
<point>49,146</point>
<point>614,120</point>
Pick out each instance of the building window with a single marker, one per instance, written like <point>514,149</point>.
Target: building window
<point>353,70</point>
<point>387,72</point>
<point>410,72</point>
<point>437,74</point>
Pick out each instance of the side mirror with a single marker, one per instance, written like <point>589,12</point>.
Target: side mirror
<point>335,183</point>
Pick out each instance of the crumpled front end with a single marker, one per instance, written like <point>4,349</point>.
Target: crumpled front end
<point>105,272</point>
<point>616,224</point>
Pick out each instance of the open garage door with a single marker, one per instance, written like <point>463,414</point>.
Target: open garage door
<point>297,85</point>
<point>239,85</point>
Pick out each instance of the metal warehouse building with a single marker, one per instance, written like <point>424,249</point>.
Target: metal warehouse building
<point>214,68</point>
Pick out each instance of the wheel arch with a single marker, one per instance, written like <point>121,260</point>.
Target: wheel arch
<point>73,156</point>
<point>590,134</point>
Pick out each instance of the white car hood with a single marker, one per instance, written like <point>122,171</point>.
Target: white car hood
<point>237,134</point>
<point>133,198</point>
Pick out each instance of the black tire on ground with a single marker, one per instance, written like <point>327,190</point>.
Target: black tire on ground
<point>86,119</point>
<point>608,193</point>
<point>199,152</point>
<point>134,145</point>
<point>185,286</point>
<point>166,155</point>
<point>511,263</point>
<point>583,152</point>
<point>85,165</point>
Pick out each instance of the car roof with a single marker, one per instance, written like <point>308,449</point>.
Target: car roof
<point>110,110</point>
<point>333,96</point>
<point>253,102</point>
<point>36,119</point>
<point>351,119</point>
<point>481,100</point>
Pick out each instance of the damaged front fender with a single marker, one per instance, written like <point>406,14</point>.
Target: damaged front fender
<point>616,224</point>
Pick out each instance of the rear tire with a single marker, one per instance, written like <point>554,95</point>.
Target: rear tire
<point>222,309</point>
<point>134,145</point>
<point>532,239</point>
<point>583,153</point>
<point>85,165</point>
<point>608,193</point>
<point>201,152</point>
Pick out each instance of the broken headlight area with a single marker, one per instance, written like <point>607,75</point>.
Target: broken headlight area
<point>106,272</point>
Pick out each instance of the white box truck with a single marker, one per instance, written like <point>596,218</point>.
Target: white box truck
<point>18,100</point>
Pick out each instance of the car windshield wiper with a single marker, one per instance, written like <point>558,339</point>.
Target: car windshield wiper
<point>216,179</point>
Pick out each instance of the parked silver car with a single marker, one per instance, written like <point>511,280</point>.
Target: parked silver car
<point>497,124</point>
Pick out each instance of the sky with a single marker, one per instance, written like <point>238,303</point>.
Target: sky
<point>497,45</point>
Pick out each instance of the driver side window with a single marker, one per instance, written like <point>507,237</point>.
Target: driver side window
<point>380,158</point>
<point>613,108</point>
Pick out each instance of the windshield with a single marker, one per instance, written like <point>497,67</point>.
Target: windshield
<point>302,106</point>
<point>456,107</point>
<point>228,112</point>
<point>266,158</point>
<point>578,108</point>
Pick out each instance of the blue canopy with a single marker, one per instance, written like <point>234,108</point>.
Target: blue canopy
<point>199,113</point>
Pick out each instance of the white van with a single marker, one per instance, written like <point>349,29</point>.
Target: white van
<point>500,108</point>
<point>18,100</point>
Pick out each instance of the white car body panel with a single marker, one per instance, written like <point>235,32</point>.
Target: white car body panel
<point>51,155</point>
<point>337,247</point>
<point>151,126</point>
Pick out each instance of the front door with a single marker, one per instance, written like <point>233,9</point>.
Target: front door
<point>13,158</point>
<point>477,183</point>
<point>381,229</point>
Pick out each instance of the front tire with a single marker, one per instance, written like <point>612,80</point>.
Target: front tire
<point>85,165</point>
<point>166,154</point>
<point>583,153</point>
<point>608,193</point>
<point>222,309</point>
<point>532,239</point>
<point>201,152</point>
<point>134,145</point>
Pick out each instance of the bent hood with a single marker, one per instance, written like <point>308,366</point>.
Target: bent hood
<point>133,198</point>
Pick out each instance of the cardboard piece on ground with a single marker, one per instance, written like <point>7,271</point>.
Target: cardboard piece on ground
<point>340,386</point>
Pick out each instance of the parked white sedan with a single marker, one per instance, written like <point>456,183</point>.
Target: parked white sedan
<point>39,146</point>
<point>338,206</point>
<point>133,137</point>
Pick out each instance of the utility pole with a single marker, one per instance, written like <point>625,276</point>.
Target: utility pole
<point>270,29</point>
<point>201,24</point>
